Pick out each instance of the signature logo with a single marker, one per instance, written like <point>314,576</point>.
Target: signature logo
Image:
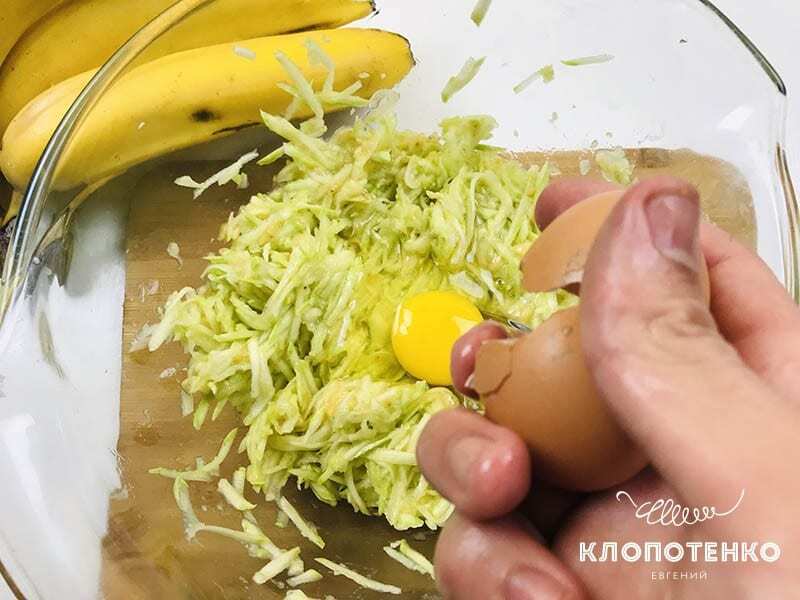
<point>668,513</point>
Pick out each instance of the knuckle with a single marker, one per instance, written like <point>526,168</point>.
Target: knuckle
<point>678,321</point>
<point>674,333</point>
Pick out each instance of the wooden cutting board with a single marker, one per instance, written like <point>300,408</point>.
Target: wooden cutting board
<point>145,553</point>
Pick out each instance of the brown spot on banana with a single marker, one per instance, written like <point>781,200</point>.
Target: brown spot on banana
<point>205,116</point>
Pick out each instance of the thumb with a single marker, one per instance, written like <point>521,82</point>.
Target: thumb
<point>679,389</point>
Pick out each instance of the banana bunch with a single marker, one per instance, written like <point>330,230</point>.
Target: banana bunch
<point>17,16</point>
<point>204,79</point>
<point>81,34</point>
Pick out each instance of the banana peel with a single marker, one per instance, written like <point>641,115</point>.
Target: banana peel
<point>14,204</point>
<point>17,17</point>
<point>7,223</point>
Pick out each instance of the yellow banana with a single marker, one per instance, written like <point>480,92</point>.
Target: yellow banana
<point>82,34</point>
<point>14,204</point>
<point>190,97</point>
<point>17,16</point>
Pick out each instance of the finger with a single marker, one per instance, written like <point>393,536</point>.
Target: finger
<point>565,193</point>
<point>481,468</point>
<point>675,384</point>
<point>498,487</point>
<point>753,311</point>
<point>477,561</point>
<point>462,357</point>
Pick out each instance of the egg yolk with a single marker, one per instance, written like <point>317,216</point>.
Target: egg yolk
<point>425,328</point>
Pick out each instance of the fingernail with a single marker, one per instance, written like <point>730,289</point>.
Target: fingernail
<point>463,456</point>
<point>526,583</point>
<point>674,223</point>
<point>469,386</point>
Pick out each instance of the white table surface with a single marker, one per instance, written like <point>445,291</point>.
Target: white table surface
<point>773,26</point>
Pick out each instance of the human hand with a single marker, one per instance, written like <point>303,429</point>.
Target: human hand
<point>711,396</point>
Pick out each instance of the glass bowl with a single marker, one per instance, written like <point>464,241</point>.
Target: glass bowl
<point>81,420</point>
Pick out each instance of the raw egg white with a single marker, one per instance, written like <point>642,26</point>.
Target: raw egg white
<point>425,328</point>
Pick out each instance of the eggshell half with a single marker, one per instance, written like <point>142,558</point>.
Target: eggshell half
<point>539,386</point>
<point>558,257</point>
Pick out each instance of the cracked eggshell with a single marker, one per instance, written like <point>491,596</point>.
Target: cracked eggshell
<point>538,385</point>
<point>558,257</point>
